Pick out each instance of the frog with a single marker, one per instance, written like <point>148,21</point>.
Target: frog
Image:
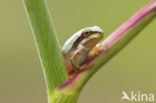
<point>77,48</point>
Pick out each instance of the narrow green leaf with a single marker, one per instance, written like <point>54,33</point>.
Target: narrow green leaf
<point>47,43</point>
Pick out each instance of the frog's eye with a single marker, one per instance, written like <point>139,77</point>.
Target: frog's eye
<point>86,33</point>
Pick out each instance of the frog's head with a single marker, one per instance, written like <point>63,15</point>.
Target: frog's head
<point>88,37</point>
<point>92,32</point>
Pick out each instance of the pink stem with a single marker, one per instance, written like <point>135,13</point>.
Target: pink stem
<point>113,44</point>
<point>139,16</point>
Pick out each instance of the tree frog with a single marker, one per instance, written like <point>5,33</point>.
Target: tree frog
<point>77,48</point>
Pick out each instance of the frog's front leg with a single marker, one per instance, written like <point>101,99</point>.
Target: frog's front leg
<point>78,58</point>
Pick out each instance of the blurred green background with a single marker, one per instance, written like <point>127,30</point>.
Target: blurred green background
<point>21,77</point>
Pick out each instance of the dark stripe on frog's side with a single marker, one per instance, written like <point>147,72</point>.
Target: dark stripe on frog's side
<point>77,42</point>
<point>93,32</point>
<point>82,37</point>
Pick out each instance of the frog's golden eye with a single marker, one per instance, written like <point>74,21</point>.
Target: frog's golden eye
<point>86,33</point>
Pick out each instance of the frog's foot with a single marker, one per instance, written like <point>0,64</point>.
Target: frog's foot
<point>94,52</point>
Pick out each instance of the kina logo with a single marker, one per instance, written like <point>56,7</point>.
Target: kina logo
<point>137,96</point>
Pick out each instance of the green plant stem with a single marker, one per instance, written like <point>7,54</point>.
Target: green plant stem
<point>62,97</point>
<point>47,43</point>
